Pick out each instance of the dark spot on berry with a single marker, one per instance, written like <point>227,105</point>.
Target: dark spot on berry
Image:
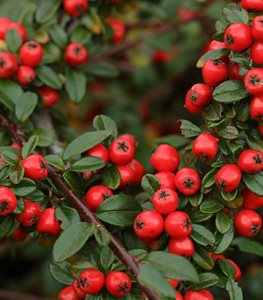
<point>217,62</point>
<point>254,229</point>
<point>194,96</point>
<point>34,219</point>
<point>83,282</point>
<point>123,288</point>
<point>80,9</point>
<point>105,195</point>
<point>31,45</point>
<point>122,146</point>
<point>43,165</point>
<point>229,40</point>
<point>188,183</point>
<point>2,63</point>
<point>3,206</point>
<point>221,184</point>
<point>254,80</point>
<point>140,224</point>
<point>187,223</point>
<point>163,194</point>
<point>258,159</point>
<point>202,156</point>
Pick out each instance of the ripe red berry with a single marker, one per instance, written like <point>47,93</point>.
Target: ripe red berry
<point>199,94</point>
<point>48,223</point>
<point>76,287</point>
<point>75,54</point>
<point>8,65</point>
<point>76,7</point>
<point>165,201</point>
<point>251,161</point>
<point>118,29</point>
<point>166,179</point>
<point>234,71</point>
<point>15,145</point>
<point>121,151</point>
<point>129,138</point>
<point>187,181</point>
<point>257,28</point>
<point>173,282</point>
<point>118,284</point>
<point>253,81</point>
<point>255,5</point>
<point>91,281</point>
<point>256,52</point>
<point>25,75</point>
<point>31,53</point>
<point>68,293</point>
<point>238,37</point>
<point>19,235</point>
<point>126,176</point>
<point>35,166</point>
<point>20,29</point>
<point>49,96</point>
<point>237,269</point>
<point>247,222</point>
<point>214,72</point>
<point>183,246</point>
<point>161,56</point>
<point>148,225</point>
<point>96,195</point>
<point>138,171</point>
<point>178,296</point>
<point>31,213</point>
<point>99,151</point>
<point>4,23</point>
<point>256,108</point>
<point>198,295</point>
<point>215,256</point>
<point>8,201</point>
<point>165,158</point>
<point>193,109</point>
<point>214,45</point>
<point>205,147</point>
<point>178,225</point>
<point>251,200</point>
<point>228,178</point>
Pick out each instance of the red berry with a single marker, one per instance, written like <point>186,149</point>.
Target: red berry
<point>118,29</point>
<point>178,296</point>
<point>234,71</point>
<point>4,23</point>
<point>35,166</point>
<point>165,158</point>
<point>253,81</point>
<point>20,29</point>
<point>76,7</point>
<point>31,213</point>
<point>256,52</point>
<point>257,28</point>
<point>129,138</point>
<point>251,161</point>
<point>237,269</point>
<point>48,223</point>
<point>238,37</point>
<point>173,282</point>
<point>198,295</point>
<point>49,96</point>
<point>99,151</point>
<point>217,256</point>
<point>161,56</point>
<point>138,170</point>
<point>76,287</point>
<point>91,281</point>
<point>25,75</point>
<point>214,72</point>
<point>205,147</point>
<point>8,65</point>
<point>178,225</point>
<point>118,284</point>
<point>228,178</point>
<point>31,53</point>
<point>199,94</point>
<point>75,54</point>
<point>148,225</point>
<point>187,181</point>
<point>15,145</point>
<point>247,222</point>
<point>96,195</point>
<point>68,293</point>
<point>8,201</point>
<point>193,109</point>
<point>256,108</point>
<point>121,151</point>
<point>166,179</point>
<point>255,5</point>
<point>165,201</point>
<point>19,235</point>
<point>126,176</point>
<point>214,45</point>
<point>183,246</point>
<point>251,200</point>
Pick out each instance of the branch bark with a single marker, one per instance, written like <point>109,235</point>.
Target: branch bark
<point>116,246</point>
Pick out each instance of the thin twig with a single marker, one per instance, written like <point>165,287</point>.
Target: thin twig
<point>86,214</point>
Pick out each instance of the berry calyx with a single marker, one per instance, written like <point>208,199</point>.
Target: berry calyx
<point>91,281</point>
<point>205,147</point>
<point>31,213</point>
<point>250,161</point>
<point>238,37</point>
<point>187,181</point>
<point>247,222</point>
<point>118,284</point>
<point>253,81</point>
<point>178,225</point>
<point>228,178</point>
<point>165,201</point>
<point>199,94</point>
<point>75,54</point>
<point>121,151</point>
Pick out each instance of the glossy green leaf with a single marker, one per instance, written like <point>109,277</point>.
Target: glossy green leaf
<point>230,91</point>
<point>235,292</point>
<point>102,122</point>
<point>225,241</point>
<point>75,85</point>
<point>49,77</point>
<point>102,236</point>
<point>211,206</point>
<point>248,246</point>
<point>189,129</point>
<point>205,281</point>
<point>25,106</point>
<point>61,272</point>
<point>46,10</point>
<point>223,222</point>
<point>9,158</point>
<point>55,161</point>
<point>102,69</point>
<point>212,54</point>
<point>202,258</point>
<point>150,184</point>
<point>202,235</point>
<point>67,215</point>
<point>13,40</point>
<point>59,36</point>
<point>254,182</point>
<point>45,138</point>
<point>88,163</point>
<point>29,146</point>
<point>24,188</point>
<point>111,177</point>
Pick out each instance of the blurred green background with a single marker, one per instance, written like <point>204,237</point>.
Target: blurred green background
<point>145,97</point>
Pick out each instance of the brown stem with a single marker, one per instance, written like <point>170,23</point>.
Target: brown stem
<point>86,214</point>
<point>120,48</point>
<point>13,295</point>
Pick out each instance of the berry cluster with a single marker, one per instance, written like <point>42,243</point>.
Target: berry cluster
<point>91,282</point>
